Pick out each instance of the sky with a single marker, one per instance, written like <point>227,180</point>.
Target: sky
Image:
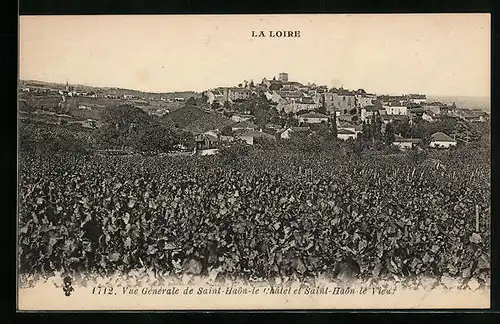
<point>435,54</point>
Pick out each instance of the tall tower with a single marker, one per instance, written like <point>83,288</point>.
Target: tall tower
<point>283,77</point>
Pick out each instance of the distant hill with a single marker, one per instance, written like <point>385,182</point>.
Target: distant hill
<point>471,102</point>
<point>112,90</point>
<point>194,119</point>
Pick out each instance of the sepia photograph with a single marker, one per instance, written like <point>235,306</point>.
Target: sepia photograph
<point>280,162</point>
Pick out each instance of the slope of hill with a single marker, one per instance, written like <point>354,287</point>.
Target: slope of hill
<point>470,102</point>
<point>195,119</point>
<point>111,90</point>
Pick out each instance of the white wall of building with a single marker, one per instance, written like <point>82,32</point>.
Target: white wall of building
<point>439,144</point>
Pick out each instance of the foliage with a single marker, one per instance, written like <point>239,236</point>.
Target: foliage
<point>232,154</point>
<point>277,214</point>
<point>191,101</point>
<point>41,138</point>
<point>389,136</point>
<point>130,127</point>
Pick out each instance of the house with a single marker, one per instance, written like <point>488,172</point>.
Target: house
<point>346,134</point>
<point>312,118</point>
<point>396,100</point>
<point>345,125</point>
<point>205,141</point>
<point>241,117</point>
<point>339,100</point>
<point>416,112</point>
<point>429,116</point>
<point>272,84</point>
<point>417,98</point>
<point>227,94</point>
<point>386,119</point>
<point>405,143</point>
<point>364,99</point>
<point>441,140</point>
<point>472,116</point>
<point>226,138</point>
<point>245,125</point>
<point>213,132</point>
<point>483,116</point>
<point>305,103</point>
<point>395,108</point>
<point>287,133</point>
<point>214,95</point>
<point>250,136</point>
<point>368,111</point>
<point>437,108</point>
<point>278,96</point>
<point>345,118</point>
<point>275,128</point>
<point>292,85</point>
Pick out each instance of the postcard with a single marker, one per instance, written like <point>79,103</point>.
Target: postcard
<point>223,162</point>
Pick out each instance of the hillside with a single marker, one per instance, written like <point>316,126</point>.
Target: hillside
<point>195,119</point>
<point>112,90</point>
<point>482,103</point>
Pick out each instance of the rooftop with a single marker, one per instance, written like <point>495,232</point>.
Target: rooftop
<point>307,100</point>
<point>256,134</point>
<point>345,131</point>
<point>299,129</point>
<point>371,108</point>
<point>313,115</point>
<point>400,139</point>
<point>441,137</point>
<point>290,94</point>
<point>346,125</point>
<point>245,124</point>
<point>416,96</point>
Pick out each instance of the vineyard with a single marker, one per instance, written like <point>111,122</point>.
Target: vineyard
<point>262,215</point>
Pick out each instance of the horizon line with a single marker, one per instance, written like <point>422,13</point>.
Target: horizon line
<point>200,91</point>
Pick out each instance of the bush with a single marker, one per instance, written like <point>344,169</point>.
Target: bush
<point>36,138</point>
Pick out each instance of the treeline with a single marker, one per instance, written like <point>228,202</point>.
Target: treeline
<point>45,138</point>
<point>129,127</point>
<point>125,127</point>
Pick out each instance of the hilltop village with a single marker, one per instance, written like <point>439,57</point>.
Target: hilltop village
<point>274,109</point>
<point>299,108</point>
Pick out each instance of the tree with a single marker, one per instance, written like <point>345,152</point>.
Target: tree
<point>334,125</point>
<point>402,128</point>
<point>366,130</point>
<point>377,131</point>
<point>191,101</point>
<point>227,131</point>
<point>389,136</point>
<point>291,120</point>
<point>126,126</point>
<point>51,139</point>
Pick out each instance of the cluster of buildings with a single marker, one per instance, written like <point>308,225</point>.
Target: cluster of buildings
<point>247,131</point>
<point>317,104</point>
<point>68,91</point>
<point>71,91</point>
